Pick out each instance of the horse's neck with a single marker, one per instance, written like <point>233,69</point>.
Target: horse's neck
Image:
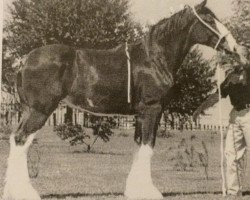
<point>169,50</point>
<point>176,53</point>
<point>170,55</point>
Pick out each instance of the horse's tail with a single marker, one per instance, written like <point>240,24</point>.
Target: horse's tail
<point>19,83</point>
<point>138,132</point>
<point>19,79</point>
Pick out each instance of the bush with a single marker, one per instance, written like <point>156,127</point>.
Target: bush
<point>189,155</point>
<point>123,134</point>
<point>76,134</point>
<point>5,131</point>
<point>165,134</point>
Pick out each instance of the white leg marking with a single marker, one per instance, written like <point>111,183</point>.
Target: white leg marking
<point>17,181</point>
<point>139,183</point>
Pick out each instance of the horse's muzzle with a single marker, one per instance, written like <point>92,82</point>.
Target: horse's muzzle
<point>243,54</point>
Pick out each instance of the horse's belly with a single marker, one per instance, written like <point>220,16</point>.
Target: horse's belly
<point>101,102</point>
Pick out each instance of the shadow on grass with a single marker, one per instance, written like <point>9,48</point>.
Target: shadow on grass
<point>99,153</point>
<point>169,194</point>
<point>246,193</point>
<point>76,195</point>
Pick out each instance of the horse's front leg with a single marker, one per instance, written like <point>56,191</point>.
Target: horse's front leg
<point>139,183</point>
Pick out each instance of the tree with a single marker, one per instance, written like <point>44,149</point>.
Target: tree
<point>239,23</point>
<point>8,70</point>
<point>79,23</point>
<point>192,86</point>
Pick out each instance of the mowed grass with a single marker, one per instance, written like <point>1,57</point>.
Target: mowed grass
<point>68,172</point>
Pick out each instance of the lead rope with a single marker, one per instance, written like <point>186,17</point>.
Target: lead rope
<point>221,36</point>
<point>129,72</point>
<point>221,136</point>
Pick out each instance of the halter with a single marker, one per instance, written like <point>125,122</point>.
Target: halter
<point>221,36</point>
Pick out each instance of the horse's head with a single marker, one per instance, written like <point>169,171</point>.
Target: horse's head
<point>209,31</point>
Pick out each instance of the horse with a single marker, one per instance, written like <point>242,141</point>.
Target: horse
<point>96,81</point>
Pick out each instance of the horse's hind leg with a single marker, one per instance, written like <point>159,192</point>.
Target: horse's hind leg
<point>17,185</point>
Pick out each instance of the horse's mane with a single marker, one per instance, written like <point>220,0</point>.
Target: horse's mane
<point>172,24</point>
<point>177,22</point>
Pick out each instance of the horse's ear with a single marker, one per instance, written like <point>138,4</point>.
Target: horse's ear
<point>201,5</point>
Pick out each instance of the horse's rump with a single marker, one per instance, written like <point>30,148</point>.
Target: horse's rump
<point>46,77</point>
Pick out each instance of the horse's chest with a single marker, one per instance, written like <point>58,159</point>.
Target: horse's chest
<point>151,86</point>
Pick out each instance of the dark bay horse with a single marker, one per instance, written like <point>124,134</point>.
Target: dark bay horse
<point>96,80</point>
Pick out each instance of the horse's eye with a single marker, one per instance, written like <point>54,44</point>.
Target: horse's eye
<point>223,39</point>
<point>209,18</point>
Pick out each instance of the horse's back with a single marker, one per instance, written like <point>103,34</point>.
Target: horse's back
<point>101,81</point>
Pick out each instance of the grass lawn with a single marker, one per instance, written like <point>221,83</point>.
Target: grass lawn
<point>68,172</point>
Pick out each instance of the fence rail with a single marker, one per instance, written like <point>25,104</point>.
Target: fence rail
<point>9,115</point>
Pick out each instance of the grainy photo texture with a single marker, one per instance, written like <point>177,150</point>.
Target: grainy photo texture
<point>125,99</point>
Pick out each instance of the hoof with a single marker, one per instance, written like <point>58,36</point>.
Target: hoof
<point>139,184</point>
<point>152,194</point>
<point>20,193</point>
<point>142,191</point>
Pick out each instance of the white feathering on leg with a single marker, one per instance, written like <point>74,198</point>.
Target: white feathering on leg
<point>17,181</point>
<point>139,183</point>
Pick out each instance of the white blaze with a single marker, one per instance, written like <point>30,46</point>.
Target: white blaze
<point>225,32</point>
<point>17,181</point>
<point>139,183</point>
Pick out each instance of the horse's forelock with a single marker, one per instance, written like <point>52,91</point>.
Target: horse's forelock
<point>207,11</point>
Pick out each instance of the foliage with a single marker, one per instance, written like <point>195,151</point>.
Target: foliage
<point>8,69</point>
<point>102,128</point>
<point>5,131</point>
<point>193,83</point>
<point>76,134</point>
<point>79,23</point>
<point>123,134</point>
<point>203,157</point>
<point>190,154</point>
<point>239,24</point>
<point>165,134</point>
<point>192,86</point>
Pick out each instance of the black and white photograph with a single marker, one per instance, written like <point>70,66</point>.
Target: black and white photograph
<point>124,99</point>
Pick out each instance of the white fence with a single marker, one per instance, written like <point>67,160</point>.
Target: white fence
<point>59,116</point>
